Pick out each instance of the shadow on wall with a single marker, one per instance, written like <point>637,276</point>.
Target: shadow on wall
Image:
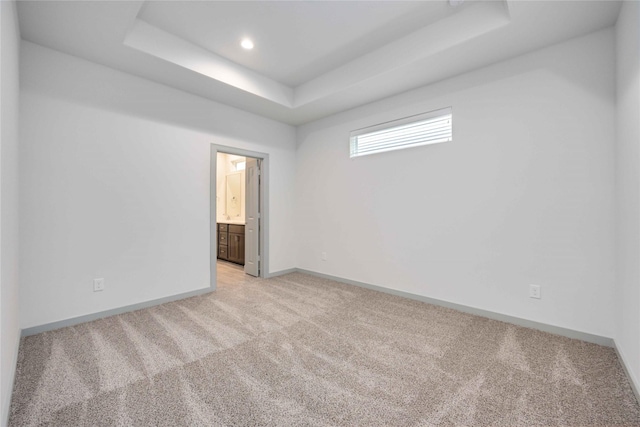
<point>556,64</point>
<point>62,76</point>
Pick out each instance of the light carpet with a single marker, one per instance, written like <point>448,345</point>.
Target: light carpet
<point>298,350</point>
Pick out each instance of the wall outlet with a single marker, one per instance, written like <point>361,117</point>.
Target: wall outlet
<point>534,291</point>
<point>324,256</point>
<point>98,285</point>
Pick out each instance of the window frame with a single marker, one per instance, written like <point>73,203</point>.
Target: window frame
<point>389,125</point>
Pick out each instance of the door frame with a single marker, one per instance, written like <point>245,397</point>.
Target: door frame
<point>263,246</point>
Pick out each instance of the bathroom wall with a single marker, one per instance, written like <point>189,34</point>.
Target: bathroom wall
<point>225,166</point>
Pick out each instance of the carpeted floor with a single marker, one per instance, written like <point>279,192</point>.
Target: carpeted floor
<point>297,350</point>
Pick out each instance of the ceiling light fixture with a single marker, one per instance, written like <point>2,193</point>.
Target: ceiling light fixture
<point>247,44</point>
<point>455,3</point>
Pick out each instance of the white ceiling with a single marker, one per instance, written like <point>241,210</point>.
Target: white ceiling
<point>293,41</point>
<point>311,59</point>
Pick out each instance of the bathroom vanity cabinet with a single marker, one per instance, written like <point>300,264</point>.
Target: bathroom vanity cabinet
<point>231,242</point>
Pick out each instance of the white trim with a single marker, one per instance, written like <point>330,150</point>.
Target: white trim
<point>213,223</point>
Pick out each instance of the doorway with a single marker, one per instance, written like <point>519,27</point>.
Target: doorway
<point>238,211</point>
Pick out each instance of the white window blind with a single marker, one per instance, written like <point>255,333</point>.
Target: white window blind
<point>422,129</point>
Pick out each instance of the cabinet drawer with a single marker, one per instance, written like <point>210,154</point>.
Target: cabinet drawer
<point>222,238</point>
<point>222,227</point>
<point>238,229</point>
<point>222,252</point>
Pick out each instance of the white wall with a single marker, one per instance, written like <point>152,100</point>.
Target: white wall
<point>628,186</point>
<point>9,107</point>
<point>114,180</point>
<point>523,195</point>
<point>9,302</point>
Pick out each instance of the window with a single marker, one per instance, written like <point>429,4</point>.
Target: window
<point>422,129</point>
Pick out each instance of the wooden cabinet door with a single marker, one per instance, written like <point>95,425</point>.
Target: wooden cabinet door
<point>236,248</point>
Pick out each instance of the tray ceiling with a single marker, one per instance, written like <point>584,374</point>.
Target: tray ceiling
<point>311,59</point>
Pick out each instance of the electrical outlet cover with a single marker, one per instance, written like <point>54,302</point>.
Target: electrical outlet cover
<point>534,291</point>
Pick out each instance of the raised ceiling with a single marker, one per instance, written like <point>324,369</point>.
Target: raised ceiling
<point>311,59</point>
<point>301,50</point>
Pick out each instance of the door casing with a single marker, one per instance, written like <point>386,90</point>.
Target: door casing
<point>264,208</point>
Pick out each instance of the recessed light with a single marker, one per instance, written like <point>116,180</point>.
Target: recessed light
<point>247,44</point>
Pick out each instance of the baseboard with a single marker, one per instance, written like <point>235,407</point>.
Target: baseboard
<point>569,333</point>
<point>280,273</point>
<point>632,381</point>
<point>102,314</point>
<point>95,316</point>
<point>557,330</point>
<point>6,404</point>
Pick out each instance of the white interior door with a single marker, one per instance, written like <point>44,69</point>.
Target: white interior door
<point>252,218</point>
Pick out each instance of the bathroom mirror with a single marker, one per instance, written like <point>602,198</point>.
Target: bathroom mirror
<point>234,195</point>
